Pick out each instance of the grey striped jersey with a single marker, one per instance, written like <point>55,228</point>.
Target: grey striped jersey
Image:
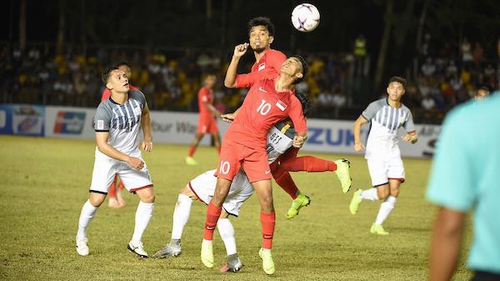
<point>385,121</point>
<point>123,122</point>
<point>279,139</point>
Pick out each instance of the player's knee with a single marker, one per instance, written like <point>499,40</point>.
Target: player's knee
<point>266,203</point>
<point>96,199</point>
<point>150,198</point>
<point>382,193</point>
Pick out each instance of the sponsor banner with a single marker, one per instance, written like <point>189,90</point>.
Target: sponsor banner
<point>337,137</point>
<point>27,120</point>
<point>325,136</point>
<point>69,122</point>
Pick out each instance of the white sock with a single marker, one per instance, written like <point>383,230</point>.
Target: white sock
<point>369,194</point>
<point>86,216</point>
<point>142,217</point>
<point>226,231</point>
<point>181,215</point>
<point>385,209</point>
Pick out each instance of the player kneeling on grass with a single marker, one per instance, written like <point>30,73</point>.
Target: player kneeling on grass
<point>117,123</point>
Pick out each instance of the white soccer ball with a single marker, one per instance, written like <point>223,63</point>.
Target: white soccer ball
<point>305,17</point>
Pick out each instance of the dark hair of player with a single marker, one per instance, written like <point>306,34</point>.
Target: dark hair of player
<point>107,72</point>
<point>261,21</point>
<point>122,63</point>
<point>305,101</point>
<point>305,68</point>
<point>484,88</point>
<point>398,79</point>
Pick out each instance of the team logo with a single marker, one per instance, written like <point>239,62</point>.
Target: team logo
<point>262,66</point>
<point>69,123</point>
<point>262,90</point>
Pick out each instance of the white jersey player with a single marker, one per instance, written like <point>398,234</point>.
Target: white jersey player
<point>382,152</point>
<point>279,139</point>
<point>117,123</point>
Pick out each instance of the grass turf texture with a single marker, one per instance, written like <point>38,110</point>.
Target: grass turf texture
<point>44,183</point>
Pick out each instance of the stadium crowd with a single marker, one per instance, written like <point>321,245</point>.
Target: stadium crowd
<point>446,75</point>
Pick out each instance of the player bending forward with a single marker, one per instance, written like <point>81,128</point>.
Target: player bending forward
<point>117,123</point>
<point>382,154</point>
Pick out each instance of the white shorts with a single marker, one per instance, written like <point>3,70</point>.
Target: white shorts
<point>203,186</point>
<point>381,170</point>
<point>106,167</point>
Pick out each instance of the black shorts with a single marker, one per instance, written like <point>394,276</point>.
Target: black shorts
<point>485,276</point>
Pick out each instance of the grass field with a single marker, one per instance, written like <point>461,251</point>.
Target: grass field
<point>44,183</point>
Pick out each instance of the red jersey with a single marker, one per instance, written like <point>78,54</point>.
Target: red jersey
<point>107,93</point>
<point>205,95</point>
<point>262,108</point>
<point>268,65</point>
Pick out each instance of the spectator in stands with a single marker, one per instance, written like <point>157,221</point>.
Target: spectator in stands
<point>428,103</point>
<point>428,68</point>
<point>482,92</point>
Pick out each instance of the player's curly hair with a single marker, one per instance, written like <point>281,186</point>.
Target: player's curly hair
<point>265,21</point>
<point>305,101</point>
<point>106,73</point>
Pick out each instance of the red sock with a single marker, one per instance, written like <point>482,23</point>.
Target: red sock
<point>309,164</point>
<point>285,181</point>
<point>112,188</point>
<point>213,214</point>
<point>192,149</point>
<point>268,221</point>
<point>121,186</point>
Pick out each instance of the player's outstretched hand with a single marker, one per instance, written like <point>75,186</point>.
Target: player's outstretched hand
<point>147,146</point>
<point>359,147</point>
<point>240,50</point>
<point>410,138</point>
<point>298,141</point>
<point>228,117</point>
<point>136,163</point>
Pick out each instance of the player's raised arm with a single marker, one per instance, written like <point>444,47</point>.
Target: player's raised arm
<point>147,144</point>
<point>358,145</point>
<point>239,51</point>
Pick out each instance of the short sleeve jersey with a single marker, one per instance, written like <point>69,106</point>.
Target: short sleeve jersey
<point>107,93</point>
<point>268,66</point>
<point>205,95</point>
<point>123,122</point>
<point>385,121</point>
<point>464,175</point>
<point>262,108</point>
<point>279,140</point>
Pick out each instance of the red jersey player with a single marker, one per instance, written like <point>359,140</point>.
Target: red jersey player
<point>267,60</point>
<point>207,122</point>
<point>115,197</point>
<point>268,101</point>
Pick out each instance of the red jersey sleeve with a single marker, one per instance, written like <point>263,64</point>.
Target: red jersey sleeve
<point>274,60</point>
<point>297,116</point>
<point>105,94</point>
<point>202,95</point>
<point>246,80</point>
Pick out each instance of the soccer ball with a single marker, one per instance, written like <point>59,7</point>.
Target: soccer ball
<point>305,17</point>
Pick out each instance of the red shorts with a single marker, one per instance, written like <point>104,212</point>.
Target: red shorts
<point>233,156</point>
<point>207,125</point>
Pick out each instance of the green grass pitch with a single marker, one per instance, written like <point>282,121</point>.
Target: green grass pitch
<point>44,183</point>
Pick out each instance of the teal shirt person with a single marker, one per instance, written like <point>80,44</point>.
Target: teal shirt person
<point>465,176</point>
